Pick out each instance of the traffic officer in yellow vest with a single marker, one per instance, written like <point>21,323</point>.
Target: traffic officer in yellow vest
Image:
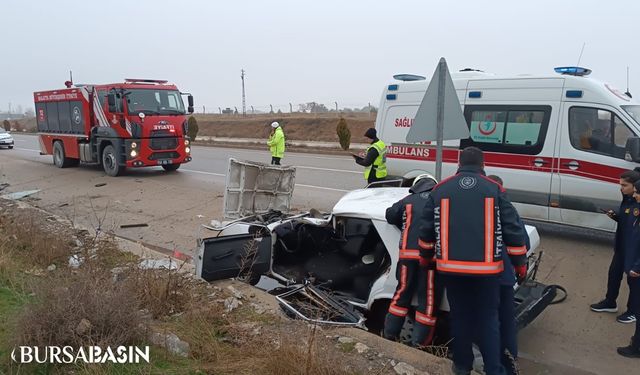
<point>375,159</point>
<point>276,143</point>
<point>472,225</point>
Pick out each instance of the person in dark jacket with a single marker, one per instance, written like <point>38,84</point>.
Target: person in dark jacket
<point>631,255</point>
<point>415,271</point>
<point>375,159</point>
<point>470,221</point>
<point>616,268</point>
<point>507,309</point>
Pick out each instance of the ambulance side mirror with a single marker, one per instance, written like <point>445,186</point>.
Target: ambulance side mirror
<point>111,101</point>
<point>190,102</point>
<point>633,150</point>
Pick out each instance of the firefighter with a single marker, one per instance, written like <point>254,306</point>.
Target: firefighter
<point>471,223</point>
<point>631,253</point>
<point>415,271</point>
<point>375,159</point>
<point>276,143</point>
<point>507,310</point>
<point>616,268</point>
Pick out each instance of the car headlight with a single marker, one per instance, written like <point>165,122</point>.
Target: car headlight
<point>133,153</point>
<point>187,149</point>
<point>134,145</point>
<point>186,142</point>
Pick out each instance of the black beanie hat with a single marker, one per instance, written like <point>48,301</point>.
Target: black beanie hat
<point>371,133</point>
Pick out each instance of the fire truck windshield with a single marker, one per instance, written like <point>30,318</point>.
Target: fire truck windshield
<point>154,102</point>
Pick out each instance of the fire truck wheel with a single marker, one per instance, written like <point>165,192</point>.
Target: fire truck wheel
<point>171,167</point>
<point>60,160</point>
<point>110,162</point>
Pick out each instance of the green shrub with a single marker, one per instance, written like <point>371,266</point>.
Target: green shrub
<point>192,130</point>
<point>344,134</point>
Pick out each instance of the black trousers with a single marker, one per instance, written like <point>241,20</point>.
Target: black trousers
<point>275,160</point>
<point>634,294</point>
<point>616,271</point>
<point>474,303</point>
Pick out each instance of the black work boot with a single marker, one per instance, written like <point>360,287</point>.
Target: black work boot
<point>631,351</point>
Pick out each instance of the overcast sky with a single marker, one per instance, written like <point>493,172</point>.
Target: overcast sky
<point>301,51</point>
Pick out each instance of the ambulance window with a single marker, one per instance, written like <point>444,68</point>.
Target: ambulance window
<point>512,129</point>
<point>598,131</point>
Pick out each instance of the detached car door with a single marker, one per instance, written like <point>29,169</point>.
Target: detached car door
<point>245,256</point>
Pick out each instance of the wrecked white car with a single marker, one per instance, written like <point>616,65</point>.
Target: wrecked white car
<point>336,267</point>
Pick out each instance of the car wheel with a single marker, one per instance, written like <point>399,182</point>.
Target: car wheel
<point>10,147</point>
<point>110,162</point>
<point>171,167</point>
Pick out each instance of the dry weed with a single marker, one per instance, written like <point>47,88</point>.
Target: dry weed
<point>85,309</point>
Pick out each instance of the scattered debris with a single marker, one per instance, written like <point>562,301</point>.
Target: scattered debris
<point>171,342</point>
<point>361,348</point>
<point>231,304</point>
<point>4,186</point>
<point>75,261</point>
<point>51,268</point>
<point>406,369</point>
<point>157,264</point>
<point>139,225</point>
<point>20,194</point>
<point>63,205</point>
<point>83,327</point>
<point>236,293</point>
<point>100,184</point>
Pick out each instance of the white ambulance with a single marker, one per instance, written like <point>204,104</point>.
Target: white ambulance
<point>559,142</point>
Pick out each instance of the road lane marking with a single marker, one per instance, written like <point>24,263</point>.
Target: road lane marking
<point>328,169</point>
<point>25,149</point>
<point>301,185</point>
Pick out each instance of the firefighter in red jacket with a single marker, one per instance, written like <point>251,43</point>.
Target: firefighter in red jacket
<point>415,271</point>
<point>472,224</point>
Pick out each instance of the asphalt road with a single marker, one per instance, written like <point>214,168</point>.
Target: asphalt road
<point>566,339</point>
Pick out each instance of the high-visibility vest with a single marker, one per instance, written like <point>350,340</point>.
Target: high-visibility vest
<point>379,163</point>
<point>276,143</point>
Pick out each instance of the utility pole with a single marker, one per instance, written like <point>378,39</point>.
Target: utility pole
<point>369,109</point>
<point>271,105</point>
<point>220,109</point>
<point>290,108</point>
<point>253,112</point>
<point>244,109</point>
<point>203,110</point>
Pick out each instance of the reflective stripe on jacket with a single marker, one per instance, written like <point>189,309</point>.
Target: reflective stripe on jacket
<point>380,163</point>
<point>472,223</point>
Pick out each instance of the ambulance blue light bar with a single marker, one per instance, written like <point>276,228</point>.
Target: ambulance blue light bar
<point>573,71</point>
<point>574,94</point>
<point>408,77</point>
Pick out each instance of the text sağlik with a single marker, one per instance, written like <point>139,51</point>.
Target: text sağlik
<point>85,354</point>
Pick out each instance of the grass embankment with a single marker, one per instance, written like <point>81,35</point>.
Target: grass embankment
<point>108,300</point>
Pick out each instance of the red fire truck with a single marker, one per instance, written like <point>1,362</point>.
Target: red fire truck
<point>138,123</point>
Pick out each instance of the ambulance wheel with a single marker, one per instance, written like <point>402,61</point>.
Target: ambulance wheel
<point>60,160</point>
<point>171,167</point>
<point>110,162</point>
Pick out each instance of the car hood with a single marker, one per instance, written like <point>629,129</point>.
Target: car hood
<point>5,135</point>
<point>358,203</point>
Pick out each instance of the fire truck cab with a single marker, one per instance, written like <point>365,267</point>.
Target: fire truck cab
<point>138,123</point>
